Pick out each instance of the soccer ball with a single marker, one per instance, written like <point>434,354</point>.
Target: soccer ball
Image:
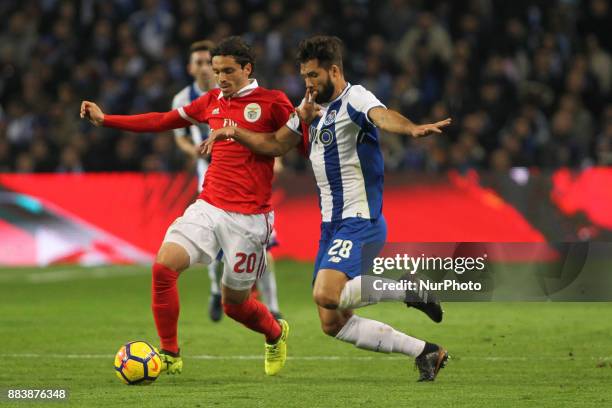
<point>137,362</point>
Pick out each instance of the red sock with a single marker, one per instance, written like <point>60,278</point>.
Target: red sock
<point>165,306</point>
<point>256,316</point>
<point>254,292</point>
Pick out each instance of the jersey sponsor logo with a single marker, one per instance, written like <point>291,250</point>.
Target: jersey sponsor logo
<point>215,111</point>
<point>330,118</point>
<point>252,112</point>
<point>335,259</point>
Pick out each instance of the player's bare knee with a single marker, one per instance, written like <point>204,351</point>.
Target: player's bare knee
<point>173,256</point>
<point>325,299</point>
<point>171,262</point>
<point>328,287</point>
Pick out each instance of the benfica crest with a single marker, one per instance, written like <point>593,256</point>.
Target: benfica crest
<point>252,112</point>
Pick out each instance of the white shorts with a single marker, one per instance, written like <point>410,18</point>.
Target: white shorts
<point>204,230</point>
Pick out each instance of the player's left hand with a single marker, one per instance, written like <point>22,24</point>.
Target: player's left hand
<point>430,128</point>
<point>218,134</point>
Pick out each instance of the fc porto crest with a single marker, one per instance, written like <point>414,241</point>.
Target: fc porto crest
<point>330,118</point>
<point>252,112</point>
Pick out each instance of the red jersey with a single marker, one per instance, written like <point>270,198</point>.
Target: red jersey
<point>237,179</point>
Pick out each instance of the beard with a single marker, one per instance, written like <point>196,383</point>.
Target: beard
<point>325,93</point>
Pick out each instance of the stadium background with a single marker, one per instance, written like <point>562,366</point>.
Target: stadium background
<point>527,83</point>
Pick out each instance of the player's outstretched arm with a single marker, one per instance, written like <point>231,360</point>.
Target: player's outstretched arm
<point>267,144</point>
<point>146,122</point>
<point>394,122</point>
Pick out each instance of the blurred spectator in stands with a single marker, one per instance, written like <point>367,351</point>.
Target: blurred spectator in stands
<point>427,38</point>
<point>499,161</point>
<point>19,38</point>
<point>596,20</point>
<point>395,16</point>
<point>127,154</point>
<point>152,163</point>
<point>604,139</point>
<point>153,26</point>
<point>600,64</point>
<point>40,152</point>
<point>24,163</point>
<point>70,161</point>
<point>20,124</point>
<point>5,156</point>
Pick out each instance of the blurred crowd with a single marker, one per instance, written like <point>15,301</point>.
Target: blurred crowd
<point>527,83</point>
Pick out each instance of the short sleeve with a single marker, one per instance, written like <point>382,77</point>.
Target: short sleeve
<point>195,111</point>
<point>282,109</point>
<point>363,100</point>
<point>294,123</point>
<point>178,101</point>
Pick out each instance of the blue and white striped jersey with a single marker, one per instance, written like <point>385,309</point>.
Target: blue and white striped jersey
<point>345,156</point>
<point>199,132</point>
<point>187,95</point>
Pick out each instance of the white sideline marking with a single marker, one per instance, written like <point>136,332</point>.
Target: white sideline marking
<point>67,275</point>
<point>63,275</point>
<point>304,358</point>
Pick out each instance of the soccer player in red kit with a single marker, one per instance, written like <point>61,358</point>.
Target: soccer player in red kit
<point>232,213</point>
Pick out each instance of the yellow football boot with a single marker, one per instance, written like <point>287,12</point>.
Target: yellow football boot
<point>171,363</point>
<point>276,354</point>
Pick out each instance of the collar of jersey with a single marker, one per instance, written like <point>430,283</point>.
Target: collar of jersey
<point>243,91</point>
<point>344,91</point>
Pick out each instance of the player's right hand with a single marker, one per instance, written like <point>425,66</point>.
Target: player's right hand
<point>309,109</point>
<point>430,128</point>
<point>218,134</point>
<point>92,112</point>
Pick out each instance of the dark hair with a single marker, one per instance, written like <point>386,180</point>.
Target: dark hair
<point>326,49</point>
<point>202,45</point>
<point>235,47</point>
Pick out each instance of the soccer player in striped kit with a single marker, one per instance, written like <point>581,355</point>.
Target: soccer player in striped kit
<point>337,124</point>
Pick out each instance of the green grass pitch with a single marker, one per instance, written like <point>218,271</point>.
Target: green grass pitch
<point>60,327</point>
